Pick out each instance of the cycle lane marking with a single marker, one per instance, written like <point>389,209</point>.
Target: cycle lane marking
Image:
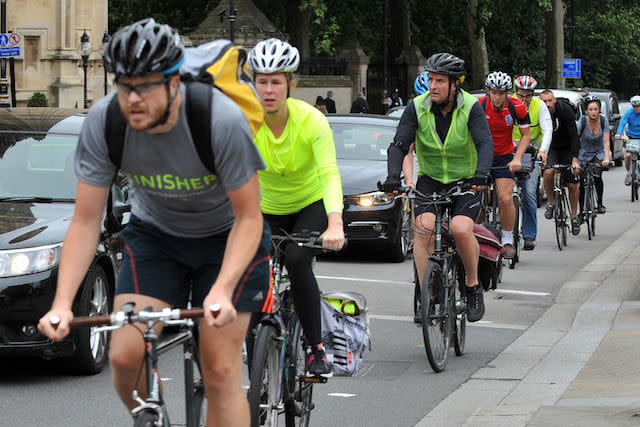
<point>479,324</point>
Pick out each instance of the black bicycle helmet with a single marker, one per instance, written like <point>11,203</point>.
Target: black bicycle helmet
<point>592,98</point>
<point>445,63</point>
<point>143,48</point>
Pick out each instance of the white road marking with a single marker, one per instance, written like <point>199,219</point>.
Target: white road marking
<point>357,279</point>
<point>480,324</point>
<point>511,291</point>
<point>341,394</point>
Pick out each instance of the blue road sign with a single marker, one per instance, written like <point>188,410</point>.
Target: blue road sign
<point>4,39</point>
<point>9,52</point>
<point>571,68</point>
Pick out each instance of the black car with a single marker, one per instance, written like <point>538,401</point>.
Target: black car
<point>370,216</point>
<point>37,197</point>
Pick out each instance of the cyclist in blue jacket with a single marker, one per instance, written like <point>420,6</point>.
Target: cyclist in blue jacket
<point>631,120</point>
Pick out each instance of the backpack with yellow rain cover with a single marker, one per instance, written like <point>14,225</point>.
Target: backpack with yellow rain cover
<point>218,63</point>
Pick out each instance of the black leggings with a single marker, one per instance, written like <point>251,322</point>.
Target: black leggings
<point>306,295</point>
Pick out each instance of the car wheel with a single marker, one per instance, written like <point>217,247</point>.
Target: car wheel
<point>400,247</point>
<point>91,353</point>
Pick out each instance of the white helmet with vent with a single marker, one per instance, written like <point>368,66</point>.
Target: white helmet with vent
<point>273,56</point>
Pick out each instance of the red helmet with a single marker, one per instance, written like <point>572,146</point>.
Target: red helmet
<point>526,82</point>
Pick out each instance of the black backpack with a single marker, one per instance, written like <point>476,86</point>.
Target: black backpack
<point>198,107</point>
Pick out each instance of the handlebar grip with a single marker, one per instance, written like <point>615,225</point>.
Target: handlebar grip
<point>103,319</point>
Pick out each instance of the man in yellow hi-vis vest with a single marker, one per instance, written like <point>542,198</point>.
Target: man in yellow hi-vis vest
<point>541,129</point>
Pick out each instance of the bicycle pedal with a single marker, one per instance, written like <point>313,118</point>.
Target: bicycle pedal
<point>319,380</point>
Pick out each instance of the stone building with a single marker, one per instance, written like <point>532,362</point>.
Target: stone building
<point>50,61</point>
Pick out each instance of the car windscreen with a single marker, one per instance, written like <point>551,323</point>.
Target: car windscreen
<point>362,141</point>
<point>37,165</point>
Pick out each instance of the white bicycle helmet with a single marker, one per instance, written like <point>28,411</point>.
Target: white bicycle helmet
<point>498,81</point>
<point>273,56</point>
<point>526,83</point>
<point>635,100</point>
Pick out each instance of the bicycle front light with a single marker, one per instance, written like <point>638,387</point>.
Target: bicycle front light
<point>375,198</point>
<point>26,261</point>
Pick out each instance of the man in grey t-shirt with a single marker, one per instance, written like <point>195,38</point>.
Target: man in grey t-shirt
<point>186,220</point>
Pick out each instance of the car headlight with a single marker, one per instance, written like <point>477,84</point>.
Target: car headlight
<point>26,261</point>
<point>376,198</point>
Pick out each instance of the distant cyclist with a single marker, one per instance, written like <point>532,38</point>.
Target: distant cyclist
<point>503,112</point>
<point>541,129</point>
<point>410,162</point>
<point>630,120</point>
<point>594,133</point>
<point>452,143</point>
<point>564,150</point>
<point>301,187</point>
<point>207,226</point>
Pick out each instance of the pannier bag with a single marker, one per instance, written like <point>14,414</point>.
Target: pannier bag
<point>345,330</point>
<point>491,252</point>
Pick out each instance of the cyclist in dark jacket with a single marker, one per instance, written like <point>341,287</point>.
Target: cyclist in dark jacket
<point>564,150</point>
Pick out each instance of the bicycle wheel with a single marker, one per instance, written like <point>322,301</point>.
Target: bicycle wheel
<point>198,400</point>
<point>565,218</point>
<point>458,306</point>
<point>588,210</point>
<point>298,402</point>
<point>263,375</point>
<point>634,182</point>
<point>416,294</point>
<point>146,418</point>
<point>558,218</point>
<point>516,232</point>
<point>595,210</point>
<point>436,324</point>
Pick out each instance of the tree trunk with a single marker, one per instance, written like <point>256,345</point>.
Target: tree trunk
<point>477,45</point>
<point>400,28</point>
<point>298,23</point>
<point>555,44</point>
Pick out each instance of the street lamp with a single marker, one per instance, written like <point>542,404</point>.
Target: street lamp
<point>85,50</point>
<point>105,41</point>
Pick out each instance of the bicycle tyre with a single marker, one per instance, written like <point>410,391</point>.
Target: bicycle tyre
<point>436,316</point>
<point>264,373</point>
<point>416,292</point>
<point>146,418</point>
<point>557,216</point>
<point>299,401</point>
<point>634,182</point>
<point>587,210</point>
<point>458,307</point>
<point>594,215</point>
<point>516,232</point>
<point>199,396</point>
<point>565,218</point>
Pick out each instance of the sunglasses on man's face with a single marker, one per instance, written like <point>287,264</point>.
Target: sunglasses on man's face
<point>143,90</point>
<point>523,95</point>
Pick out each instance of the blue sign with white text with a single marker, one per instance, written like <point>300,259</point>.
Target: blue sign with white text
<point>9,52</point>
<point>571,68</point>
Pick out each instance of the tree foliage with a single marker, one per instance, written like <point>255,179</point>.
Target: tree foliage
<point>606,32</point>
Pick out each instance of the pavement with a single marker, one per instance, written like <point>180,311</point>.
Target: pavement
<point>578,365</point>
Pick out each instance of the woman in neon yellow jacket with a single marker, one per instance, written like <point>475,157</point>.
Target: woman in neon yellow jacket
<point>301,187</point>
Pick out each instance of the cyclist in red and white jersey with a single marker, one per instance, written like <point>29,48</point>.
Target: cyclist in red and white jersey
<point>500,109</point>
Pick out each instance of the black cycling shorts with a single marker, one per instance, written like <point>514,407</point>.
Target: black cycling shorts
<point>468,205</point>
<point>156,264</point>
<point>562,158</point>
<point>501,162</point>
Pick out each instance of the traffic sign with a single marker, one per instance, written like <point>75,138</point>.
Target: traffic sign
<point>571,68</point>
<point>9,52</point>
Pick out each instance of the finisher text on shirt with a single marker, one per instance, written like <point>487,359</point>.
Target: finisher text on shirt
<point>172,182</point>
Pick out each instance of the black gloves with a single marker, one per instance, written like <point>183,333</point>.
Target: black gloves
<point>391,184</point>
